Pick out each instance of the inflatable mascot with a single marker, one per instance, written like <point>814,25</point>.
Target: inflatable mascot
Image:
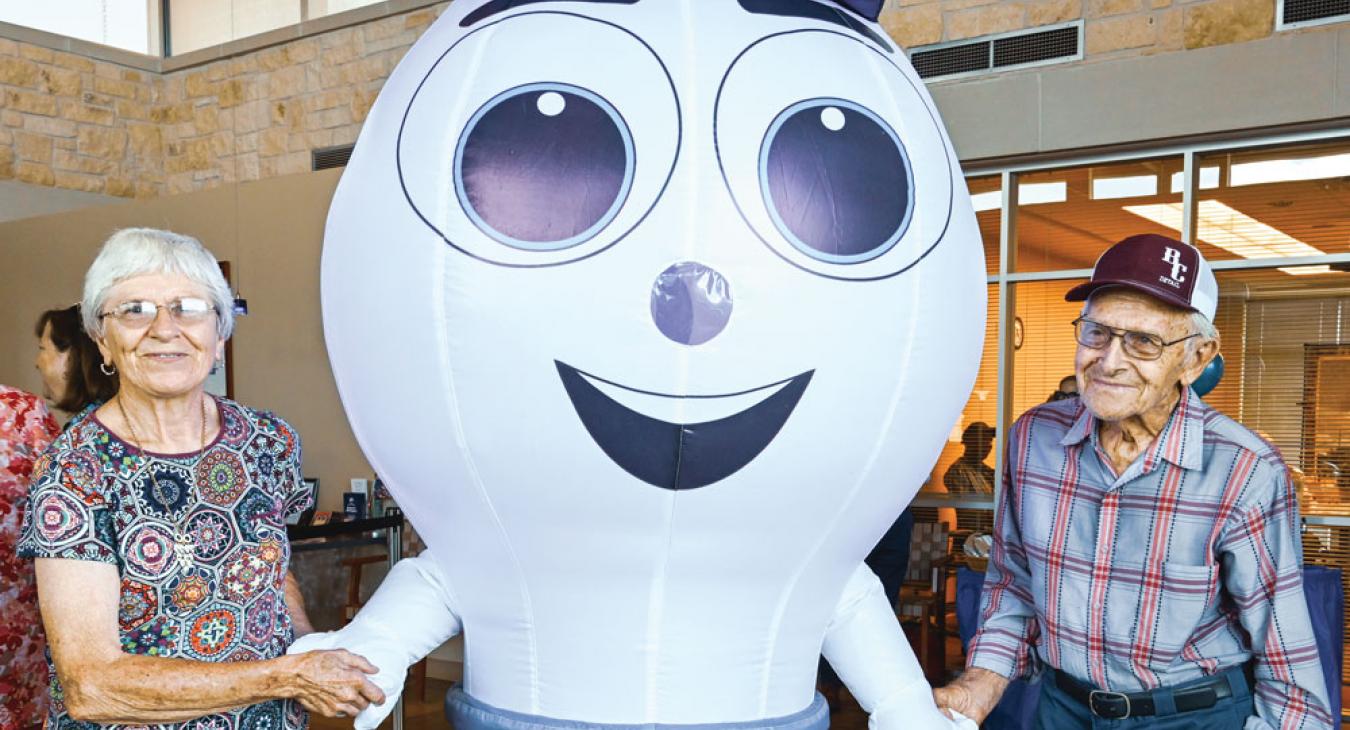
<point>653,315</point>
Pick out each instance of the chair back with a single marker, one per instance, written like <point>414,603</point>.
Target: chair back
<point>927,546</point>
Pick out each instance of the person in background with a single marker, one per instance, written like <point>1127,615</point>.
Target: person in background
<point>1068,388</point>
<point>157,523</point>
<point>69,363</point>
<point>1146,554</point>
<point>26,428</point>
<point>969,475</point>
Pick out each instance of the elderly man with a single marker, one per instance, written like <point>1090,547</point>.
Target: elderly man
<point>1146,546</point>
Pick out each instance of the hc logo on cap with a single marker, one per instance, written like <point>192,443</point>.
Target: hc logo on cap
<point>1173,257</point>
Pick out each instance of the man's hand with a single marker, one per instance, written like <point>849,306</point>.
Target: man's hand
<point>973,694</point>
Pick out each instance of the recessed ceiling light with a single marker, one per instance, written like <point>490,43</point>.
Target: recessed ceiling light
<point>1235,232</point>
<point>1291,170</point>
<point>1133,186</point>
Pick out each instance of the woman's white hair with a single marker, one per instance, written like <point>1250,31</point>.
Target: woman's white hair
<point>138,251</point>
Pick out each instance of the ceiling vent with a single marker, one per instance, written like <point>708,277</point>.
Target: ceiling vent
<point>1020,49</point>
<point>1300,13</point>
<point>326,158</point>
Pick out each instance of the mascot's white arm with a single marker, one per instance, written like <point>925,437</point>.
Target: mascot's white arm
<point>411,614</point>
<point>867,649</point>
<point>407,618</point>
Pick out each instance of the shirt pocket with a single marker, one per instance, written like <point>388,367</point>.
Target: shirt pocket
<point>1152,614</point>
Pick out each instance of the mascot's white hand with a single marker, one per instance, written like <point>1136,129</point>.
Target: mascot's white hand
<point>867,649</point>
<point>408,617</point>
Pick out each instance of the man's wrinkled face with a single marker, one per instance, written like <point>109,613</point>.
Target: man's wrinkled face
<point>1117,386</point>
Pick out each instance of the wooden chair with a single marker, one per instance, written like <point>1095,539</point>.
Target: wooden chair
<point>922,603</point>
<point>354,603</point>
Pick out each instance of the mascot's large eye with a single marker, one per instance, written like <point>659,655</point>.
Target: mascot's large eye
<point>544,166</point>
<point>842,169</point>
<point>836,180</point>
<point>536,139</point>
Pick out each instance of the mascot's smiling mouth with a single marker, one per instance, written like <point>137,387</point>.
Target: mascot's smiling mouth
<point>675,453</point>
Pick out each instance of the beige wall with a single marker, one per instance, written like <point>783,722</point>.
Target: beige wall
<point>271,231</point>
<point>1287,80</point>
<point>21,200</point>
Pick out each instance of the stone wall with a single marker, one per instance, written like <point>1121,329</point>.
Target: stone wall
<point>74,122</point>
<point>1112,28</point>
<point>260,114</point>
<point>68,121</point>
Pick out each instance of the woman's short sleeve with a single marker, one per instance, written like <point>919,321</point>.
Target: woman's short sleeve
<point>68,515</point>
<point>298,497</point>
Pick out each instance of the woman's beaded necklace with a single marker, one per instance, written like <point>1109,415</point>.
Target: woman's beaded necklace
<point>184,544</point>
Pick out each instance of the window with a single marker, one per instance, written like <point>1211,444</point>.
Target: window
<point>119,23</point>
<point>981,411</point>
<point>982,408</point>
<point>986,193</point>
<point>1046,354</point>
<point>195,24</point>
<point>1066,217</point>
<point>1274,202</point>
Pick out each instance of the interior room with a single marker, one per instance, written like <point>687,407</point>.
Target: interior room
<point>232,121</point>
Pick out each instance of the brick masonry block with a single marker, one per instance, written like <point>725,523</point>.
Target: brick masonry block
<point>1220,22</point>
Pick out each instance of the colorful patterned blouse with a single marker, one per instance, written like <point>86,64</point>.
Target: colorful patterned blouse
<point>95,497</point>
<point>25,430</point>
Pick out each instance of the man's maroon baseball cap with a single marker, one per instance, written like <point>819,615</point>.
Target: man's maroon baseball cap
<point>1169,270</point>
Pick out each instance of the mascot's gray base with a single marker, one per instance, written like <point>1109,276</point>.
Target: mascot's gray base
<point>466,713</point>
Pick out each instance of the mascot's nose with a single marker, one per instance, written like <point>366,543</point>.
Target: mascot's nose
<point>691,303</point>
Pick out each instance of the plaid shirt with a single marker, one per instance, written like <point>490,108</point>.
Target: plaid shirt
<point>1186,564</point>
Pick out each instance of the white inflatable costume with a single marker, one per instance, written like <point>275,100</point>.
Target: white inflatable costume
<point>653,315</point>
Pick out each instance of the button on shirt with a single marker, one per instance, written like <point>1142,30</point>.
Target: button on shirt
<point>1186,564</point>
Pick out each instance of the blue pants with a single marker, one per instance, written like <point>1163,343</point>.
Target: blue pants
<point>1059,711</point>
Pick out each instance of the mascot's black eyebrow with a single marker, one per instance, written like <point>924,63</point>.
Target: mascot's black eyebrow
<point>488,10</point>
<point>814,11</point>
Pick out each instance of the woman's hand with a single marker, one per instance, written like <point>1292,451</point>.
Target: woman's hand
<point>333,683</point>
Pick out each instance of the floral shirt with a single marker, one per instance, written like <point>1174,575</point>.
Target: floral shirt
<point>25,430</point>
<point>96,497</point>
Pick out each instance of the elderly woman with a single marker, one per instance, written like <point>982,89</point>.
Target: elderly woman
<point>70,362</point>
<point>157,524</point>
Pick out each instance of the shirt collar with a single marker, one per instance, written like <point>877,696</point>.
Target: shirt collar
<point>1181,441</point>
<point>1082,426</point>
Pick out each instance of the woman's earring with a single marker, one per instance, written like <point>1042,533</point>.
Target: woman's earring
<point>106,369</point>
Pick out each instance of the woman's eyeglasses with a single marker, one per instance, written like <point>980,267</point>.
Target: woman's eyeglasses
<point>1138,345</point>
<point>141,312</point>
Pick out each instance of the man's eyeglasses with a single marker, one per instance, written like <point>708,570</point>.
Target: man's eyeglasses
<point>141,312</point>
<point>1138,345</point>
